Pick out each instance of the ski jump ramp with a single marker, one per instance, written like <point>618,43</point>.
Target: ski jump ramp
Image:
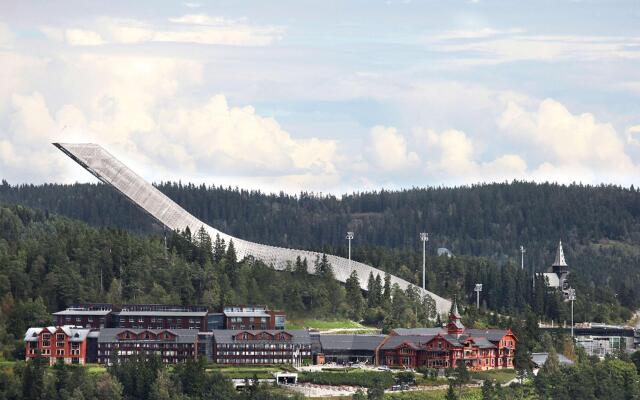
<point>95,159</point>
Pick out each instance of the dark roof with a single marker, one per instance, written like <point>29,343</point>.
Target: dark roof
<point>458,324</point>
<point>133,313</point>
<point>299,336</point>
<point>419,331</point>
<point>82,312</point>
<point>247,314</point>
<point>483,343</point>
<point>109,335</point>
<point>350,342</point>
<point>493,335</point>
<point>414,341</point>
<point>540,358</point>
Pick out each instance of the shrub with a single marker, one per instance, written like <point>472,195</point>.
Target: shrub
<point>365,378</point>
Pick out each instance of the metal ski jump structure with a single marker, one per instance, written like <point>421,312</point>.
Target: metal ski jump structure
<point>95,159</point>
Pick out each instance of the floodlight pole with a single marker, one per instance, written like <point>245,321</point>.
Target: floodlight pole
<point>424,236</point>
<point>572,298</point>
<point>478,289</point>
<point>349,238</point>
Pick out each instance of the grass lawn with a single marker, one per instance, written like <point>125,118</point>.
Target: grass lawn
<point>95,368</point>
<point>6,364</point>
<point>249,372</point>
<point>467,394</point>
<point>498,375</point>
<point>325,324</point>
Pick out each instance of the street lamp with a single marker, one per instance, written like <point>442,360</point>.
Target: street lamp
<point>522,251</point>
<point>478,289</point>
<point>424,236</point>
<point>571,296</point>
<point>349,238</point>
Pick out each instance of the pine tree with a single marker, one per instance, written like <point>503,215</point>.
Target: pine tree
<point>386,294</point>
<point>371,287</point>
<point>354,296</point>
<point>231,256</point>
<point>219,249</point>
<point>451,394</point>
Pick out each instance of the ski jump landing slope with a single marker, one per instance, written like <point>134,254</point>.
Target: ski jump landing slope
<point>111,171</point>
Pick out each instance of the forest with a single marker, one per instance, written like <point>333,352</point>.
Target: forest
<point>49,261</point>
<point>483,225</point>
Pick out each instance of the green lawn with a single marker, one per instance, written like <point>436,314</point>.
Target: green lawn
<point>249,372</point>
<point>467,394</point>
<point>95,368</point>
<point>325,324</point>
<point>498,375</point>
<point>6,364</point>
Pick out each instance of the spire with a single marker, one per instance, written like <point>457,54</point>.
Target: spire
<point>560,261</point>
<point>454,308</point>
<point>455,326</point>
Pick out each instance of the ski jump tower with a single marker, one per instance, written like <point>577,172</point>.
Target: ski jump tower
<point>95,159</point>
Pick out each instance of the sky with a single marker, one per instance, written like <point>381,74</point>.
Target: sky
<point>324,96</point>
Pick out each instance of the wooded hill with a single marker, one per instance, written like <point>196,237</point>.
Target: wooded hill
<point>483,225</point>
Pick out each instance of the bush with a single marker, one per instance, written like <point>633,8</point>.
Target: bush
<point>406,377</point>
<point>365,378</point>
<point>428,373</point>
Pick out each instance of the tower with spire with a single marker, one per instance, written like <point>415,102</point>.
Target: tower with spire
<point>560,269</point>
<point>455,325</point>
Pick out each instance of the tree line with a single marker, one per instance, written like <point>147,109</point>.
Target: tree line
<point>48,263</point>
<point>481,224</point>
<point>135,379</point>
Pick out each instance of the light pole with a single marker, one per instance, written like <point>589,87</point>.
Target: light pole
<point>478,289</point>
<point>349,238</point>
<point>522,251</point>
<point>424,236</point>
<point>571,296</point>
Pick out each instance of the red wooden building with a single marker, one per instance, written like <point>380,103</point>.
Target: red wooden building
<point>68,343</point>
<point>444,348</point>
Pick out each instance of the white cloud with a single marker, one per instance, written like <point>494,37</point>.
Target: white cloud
<point>6,36</point>
<point>387,150</point>
<point>236,140</point>
<point>131,106</point>
<point>452,157</point>
<point>633,135</point>
<point>489,46</point>
<point>191,28</point>
<point>480,33</point>
<point>576,145</point>
<point>82,37</point>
